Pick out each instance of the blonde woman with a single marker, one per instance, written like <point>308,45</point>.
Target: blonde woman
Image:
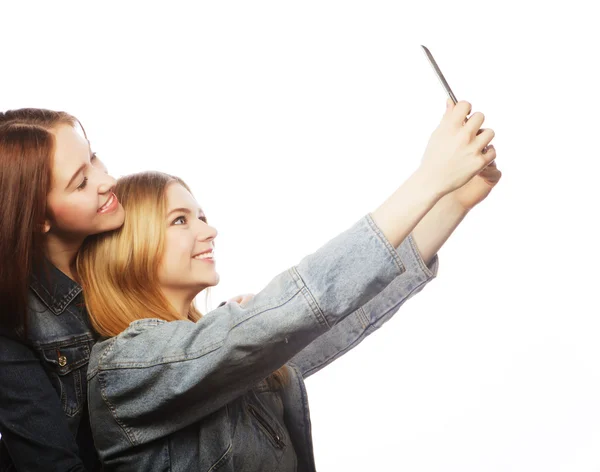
<point>170,389</point>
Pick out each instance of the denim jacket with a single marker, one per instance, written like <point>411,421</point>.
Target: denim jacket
<point>43,388</point>
<point>184,396</point>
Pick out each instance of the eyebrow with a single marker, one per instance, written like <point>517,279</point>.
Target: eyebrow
<point>187,211</point>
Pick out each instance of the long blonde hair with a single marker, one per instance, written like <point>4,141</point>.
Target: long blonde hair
<point>119,270</point>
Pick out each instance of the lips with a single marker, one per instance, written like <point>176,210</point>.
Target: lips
<point>208,254</point>
<point>111,204</point>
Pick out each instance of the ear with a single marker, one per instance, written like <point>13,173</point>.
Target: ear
<point>46,227</point>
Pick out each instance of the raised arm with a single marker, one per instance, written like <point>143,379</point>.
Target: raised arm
<point>353,329</point>
<point>418,253</point>
<point>181,372</point>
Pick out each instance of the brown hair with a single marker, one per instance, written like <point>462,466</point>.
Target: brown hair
<point>119,270</point>
<point>27,147</point>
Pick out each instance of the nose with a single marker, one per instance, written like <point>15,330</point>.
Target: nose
<point>206,232</point>
<point>106,182</point>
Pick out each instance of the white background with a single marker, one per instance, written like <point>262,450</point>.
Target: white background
<point>291,120</point>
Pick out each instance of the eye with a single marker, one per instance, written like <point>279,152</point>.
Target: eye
<point>203,218</point>
<point>83,184</point>
<point>180,218</point>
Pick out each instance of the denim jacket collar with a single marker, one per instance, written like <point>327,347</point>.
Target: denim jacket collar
<point>53,287</point>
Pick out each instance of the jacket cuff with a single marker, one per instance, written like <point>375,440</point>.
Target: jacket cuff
<point>414,263</point>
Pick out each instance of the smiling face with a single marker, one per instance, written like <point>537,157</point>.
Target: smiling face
<point>81,201</point>
<point>188,265</point>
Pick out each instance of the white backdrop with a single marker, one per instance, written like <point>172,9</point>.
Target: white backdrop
<point>291,120</point>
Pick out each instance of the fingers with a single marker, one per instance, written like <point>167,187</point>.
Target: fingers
<point>489,156</point>
<point>474,123</point>
<point>449,107</point>
<point>243,299</point>
<point>483,139</point>
<point>491,173</point>
<point>239,299</point>
<point>458,114</point>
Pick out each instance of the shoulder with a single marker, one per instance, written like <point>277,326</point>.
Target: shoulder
<point>132,347</point>
<point>154,342</point>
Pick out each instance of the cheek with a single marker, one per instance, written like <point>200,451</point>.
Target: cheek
<point>178,248</point>
<point>73,214</point>
<point>175,263</point>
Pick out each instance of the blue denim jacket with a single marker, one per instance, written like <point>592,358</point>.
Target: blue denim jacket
<point>184,396</point>
<point>43,388</point>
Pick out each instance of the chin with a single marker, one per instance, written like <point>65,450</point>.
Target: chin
<point>214,281</point>
<point>206,284</point>
<point>114,222</point>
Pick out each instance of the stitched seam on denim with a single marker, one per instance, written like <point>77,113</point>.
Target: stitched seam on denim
<point>129,434</point>
<point>57,306</point>
<point>163,360</point>
<point>91,373</point>
<point>362,314</point>
<point>308,296</point>
<point>397,306</point>
<point>363,318</point>
<point>221,460</point>
<point>339,353</point>
<point>386,243</point>
<point>276,303</point>
<point>42,292</point>
<point>68,298</point>
<point>109,348</point>
<point>196,354</point>
<point>62,371</point>
<point>73,411</point>
<point>36,288</point>
<point>418,258</point>
<point>306,418</point>
<point>225,455</point>
<point>72,340</point>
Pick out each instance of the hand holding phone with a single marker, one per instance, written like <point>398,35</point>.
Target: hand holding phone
<point>443,81</point>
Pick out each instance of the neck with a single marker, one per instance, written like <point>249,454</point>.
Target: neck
<point>180,300</point>
<point>62,252</point>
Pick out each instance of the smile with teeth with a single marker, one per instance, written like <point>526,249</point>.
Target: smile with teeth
<point>110,204</point>
<point>205,255</point>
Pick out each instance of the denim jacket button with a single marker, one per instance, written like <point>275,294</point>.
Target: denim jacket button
<point>62,361</point>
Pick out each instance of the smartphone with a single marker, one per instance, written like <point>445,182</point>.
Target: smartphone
<point>438,72</point>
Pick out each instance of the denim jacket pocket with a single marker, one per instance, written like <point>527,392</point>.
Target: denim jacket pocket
<point>265,422</point>
<point>67,365</point>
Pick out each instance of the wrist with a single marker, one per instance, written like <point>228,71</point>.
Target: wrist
<point>452,204</point>
<point>427,186</point>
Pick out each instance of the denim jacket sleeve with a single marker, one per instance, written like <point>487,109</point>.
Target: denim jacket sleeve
<point>158,377</point>
<point>32,422</point>
<point>349,332</point>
